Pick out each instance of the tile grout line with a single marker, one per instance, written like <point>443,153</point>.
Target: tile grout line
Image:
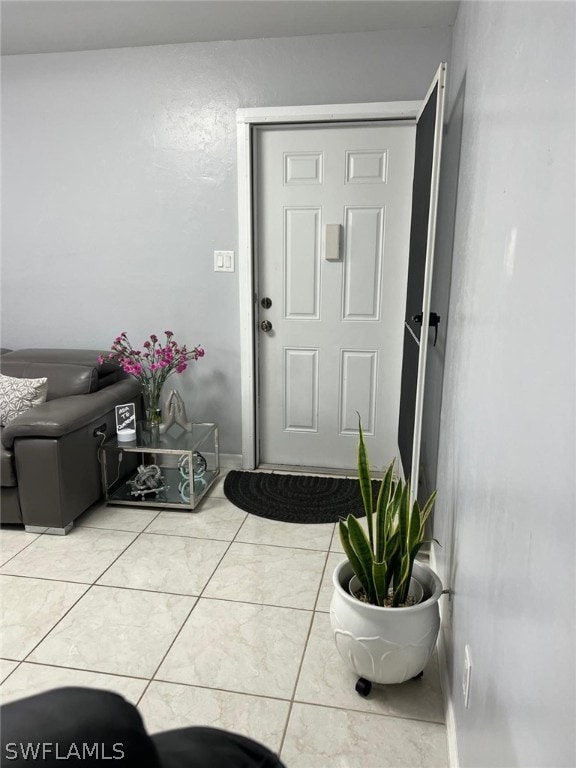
<point>20,550</point>
<point>153,676</point>
<point>53,627</point>
<point>134,540</point>
<point>233,691</point>
<point>18,663</point>
<point>53,665</point>
<point>304,650</point>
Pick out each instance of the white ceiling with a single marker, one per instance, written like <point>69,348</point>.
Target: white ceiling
<point>48,26</point>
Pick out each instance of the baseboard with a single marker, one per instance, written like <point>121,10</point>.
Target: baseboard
<point>451,735</point>
<point>231,461</point>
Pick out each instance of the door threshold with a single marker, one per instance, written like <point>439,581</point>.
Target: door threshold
<point>299,470</point>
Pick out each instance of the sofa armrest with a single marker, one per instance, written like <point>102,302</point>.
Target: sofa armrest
<point>59,417</point>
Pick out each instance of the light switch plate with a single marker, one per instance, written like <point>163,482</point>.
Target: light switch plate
<point>223,261</point>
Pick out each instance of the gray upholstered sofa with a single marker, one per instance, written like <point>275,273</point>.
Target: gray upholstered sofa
<point>50,472</point>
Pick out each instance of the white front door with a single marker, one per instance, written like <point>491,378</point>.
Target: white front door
<point>332,227</point>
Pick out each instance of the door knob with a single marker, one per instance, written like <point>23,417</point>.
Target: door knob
<point>266,326</point>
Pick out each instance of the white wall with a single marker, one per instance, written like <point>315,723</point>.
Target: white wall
<point>506,485</point>
<point>119,181</point>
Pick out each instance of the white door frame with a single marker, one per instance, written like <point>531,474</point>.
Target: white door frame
<point>247,120</point>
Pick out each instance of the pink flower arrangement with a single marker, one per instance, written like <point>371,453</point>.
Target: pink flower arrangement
<point>153,364</point>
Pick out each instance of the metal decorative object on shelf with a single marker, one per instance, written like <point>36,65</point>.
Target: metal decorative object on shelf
<point>200,466</point>
<point>199,462</point>
<point>175,413</point>
<point>184,490</point>
<point>148,479</point>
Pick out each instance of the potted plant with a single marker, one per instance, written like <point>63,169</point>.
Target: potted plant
<point>152,367</point>
<point>386,627</point>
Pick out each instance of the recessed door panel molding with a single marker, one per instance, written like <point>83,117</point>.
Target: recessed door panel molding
<point>358,387</point>
<point>301,390</point>
<point>364,246</point>
<point>302,239</point>
<point>366,167</point>
<point>303,168</point>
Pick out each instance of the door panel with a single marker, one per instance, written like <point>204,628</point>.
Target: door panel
<point>302,263</point>
<point>358,386</point>
<point>334,347</point>
<point>301,390</point>
<point>363,263</point>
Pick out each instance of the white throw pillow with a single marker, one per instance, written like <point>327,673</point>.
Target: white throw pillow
<point>18,395</point>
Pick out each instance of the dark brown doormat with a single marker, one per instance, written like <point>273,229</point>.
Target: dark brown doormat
<point>294,498</point>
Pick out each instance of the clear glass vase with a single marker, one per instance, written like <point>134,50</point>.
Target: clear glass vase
<point>152,408</point>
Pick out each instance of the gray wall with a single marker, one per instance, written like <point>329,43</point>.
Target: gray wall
<point>119,181</point>
<point>506,459</point>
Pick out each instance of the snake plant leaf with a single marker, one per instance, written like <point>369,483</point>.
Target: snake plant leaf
<point>402,584</point>
<point>357,565</point>
<point>414,528</point>
<point>379,573</point>
<point>380,533</point>
<point>383,513</point>
<point>425,513</point>
<point>361,546</point>
<point>393,548</point>
<point>394,560</point>
<point>404,512</point>
<point>416,547</point>
<point>396,504</point>
<point>365,480</point>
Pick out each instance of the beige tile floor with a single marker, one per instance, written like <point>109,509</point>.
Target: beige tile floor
<point>212,617</point>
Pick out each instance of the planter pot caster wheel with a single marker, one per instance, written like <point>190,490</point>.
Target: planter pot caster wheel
<point>418,676</point>
<point>363,686</point>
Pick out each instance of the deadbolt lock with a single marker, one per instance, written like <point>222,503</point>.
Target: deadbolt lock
<point>266,303</point>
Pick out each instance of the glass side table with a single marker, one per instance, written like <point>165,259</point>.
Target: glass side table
<point>171,470</point>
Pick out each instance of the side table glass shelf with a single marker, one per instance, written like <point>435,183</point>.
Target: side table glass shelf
<point>173,470</point>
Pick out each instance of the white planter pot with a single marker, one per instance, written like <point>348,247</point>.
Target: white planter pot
<point>385,645</point>
<point>415,591</point>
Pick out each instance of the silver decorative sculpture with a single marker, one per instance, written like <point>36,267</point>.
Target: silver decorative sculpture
<point>148,479</point>
<point>175,414</point>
